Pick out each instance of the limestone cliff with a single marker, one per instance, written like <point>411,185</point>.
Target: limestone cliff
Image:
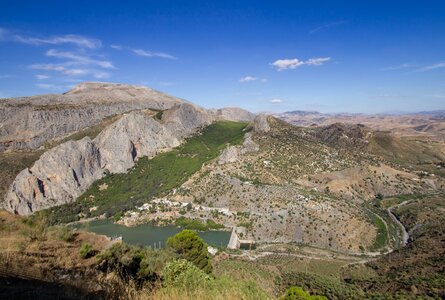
<point>29,122</point>
<point>66,171</point>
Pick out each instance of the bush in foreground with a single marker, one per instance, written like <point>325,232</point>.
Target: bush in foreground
<point>188,245</point>
<point>297,293</point>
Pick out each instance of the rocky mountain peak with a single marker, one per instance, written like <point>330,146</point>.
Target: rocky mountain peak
<point>88,87</point>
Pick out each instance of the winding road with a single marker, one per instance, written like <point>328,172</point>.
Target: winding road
<point>405,235</point>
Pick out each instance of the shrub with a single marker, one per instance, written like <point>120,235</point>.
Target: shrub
<point>318,284</point>
<point>86,251</point>
<point>297,293</point>
<point>188,245</point>
<point>184,274</point>
<point>63,233</point>
<point>37,227</point>
<point>135,262</point>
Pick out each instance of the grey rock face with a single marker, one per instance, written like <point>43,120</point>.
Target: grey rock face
<point>233,114</point>
<point>233,154</point>
<point>66,171</point>
<point>59,176</point>
<point>28,122</point>
<point>260,124</point>
<point>229,155</point>
<point>249,145</point>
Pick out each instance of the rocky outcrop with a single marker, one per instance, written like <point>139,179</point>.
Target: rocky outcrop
<point>249,145</point>
<point>229,155</point>
<point>29,122</point>
<point>233,114</point>
<point>260,124</point>
<point>66,171</point>
<point>233,153</point>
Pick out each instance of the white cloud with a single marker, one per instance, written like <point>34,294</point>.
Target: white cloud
<point>75,72</point>
<point>433,67</point>
<point>285,64</point>
<point>42,76</point>
<point>65,70</point>
<point>49,67</point>
<point>80,59</point>
<point>6,76</point>
<point>252,78</point>
<point>275,100</point>
<point>77,40</point>
<point>248,78</point>
<point>142,52</point>
<point>317,61</point>
<point>147,53</point>
<point>399,67</point>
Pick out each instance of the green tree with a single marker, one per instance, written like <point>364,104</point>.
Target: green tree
<point>188,245</point>
<point>297,293</point>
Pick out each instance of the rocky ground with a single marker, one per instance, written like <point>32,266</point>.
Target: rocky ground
<point>293,184</point>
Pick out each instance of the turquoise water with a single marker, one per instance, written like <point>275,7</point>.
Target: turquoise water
<point>149,235</point>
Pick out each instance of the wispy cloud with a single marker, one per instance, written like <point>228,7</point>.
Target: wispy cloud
<point>432,67</point>
<point>42,77</point>
<point>252,78</point>
<point>147,53</point>
<point>80,59</point>
<point>275,100</point>
<point>80,56</point>
<point>326,26</point>
<point>285,64</point>
<point>142,52</point>
<point>64,68</point>
<point>317,61</point>
<point>400,67</point>
<point>77,40</point>
<point>6,76</point>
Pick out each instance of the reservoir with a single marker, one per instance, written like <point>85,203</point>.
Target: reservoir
<point>149,235</point>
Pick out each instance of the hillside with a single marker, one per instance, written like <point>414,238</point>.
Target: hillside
<point>321,205</point>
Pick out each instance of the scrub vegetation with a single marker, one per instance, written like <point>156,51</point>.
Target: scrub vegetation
<point>153,177</point>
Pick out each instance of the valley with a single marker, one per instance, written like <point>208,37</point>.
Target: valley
<point>335,209</point>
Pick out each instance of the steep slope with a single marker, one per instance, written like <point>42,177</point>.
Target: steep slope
<point>66,171</point>
<point>30,122</point>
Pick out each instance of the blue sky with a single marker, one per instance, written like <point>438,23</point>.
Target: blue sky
<point>330,56</point>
